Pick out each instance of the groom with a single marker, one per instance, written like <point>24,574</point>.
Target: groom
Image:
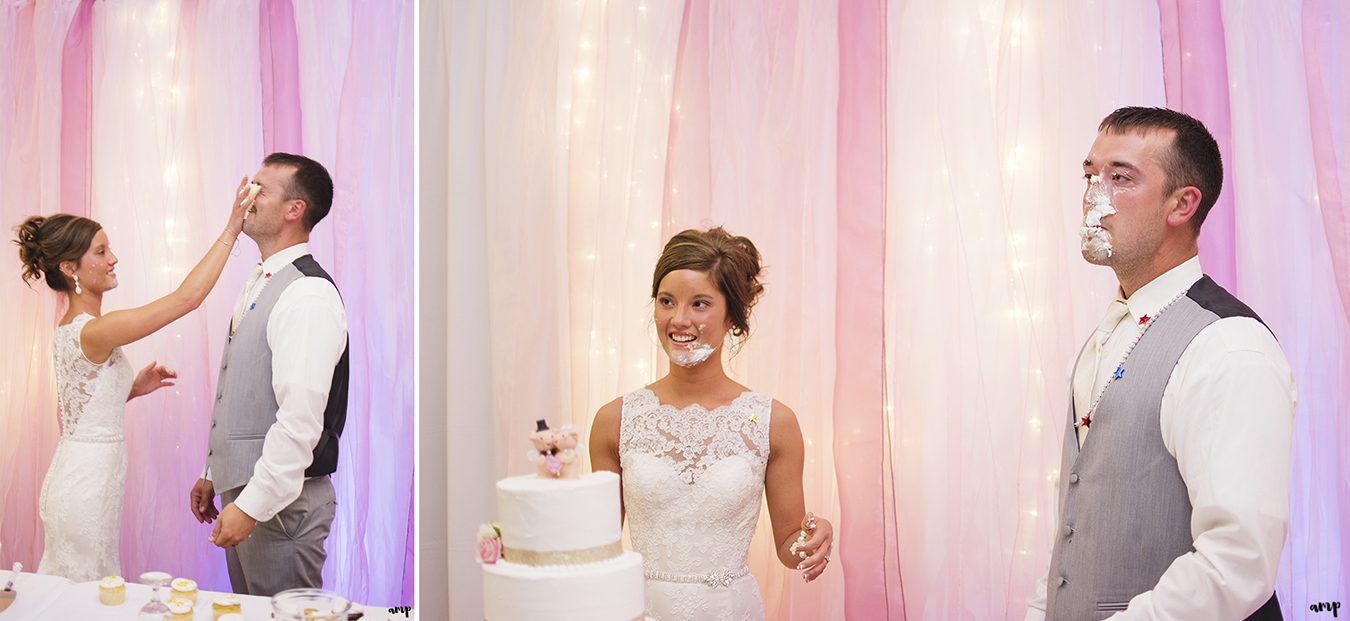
<point>281,400</point>
<point>1173,486</point>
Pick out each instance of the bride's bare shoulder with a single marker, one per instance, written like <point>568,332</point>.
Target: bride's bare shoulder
<point>607,418</point>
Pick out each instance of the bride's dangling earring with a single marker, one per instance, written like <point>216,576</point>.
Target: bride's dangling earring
<point>78,290</point>
<point>735,347</point>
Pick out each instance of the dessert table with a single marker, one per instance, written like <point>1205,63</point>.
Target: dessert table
<point>42,598</point>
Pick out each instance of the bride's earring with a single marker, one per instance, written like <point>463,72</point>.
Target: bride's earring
<point>78,290</point>
<point>735,347</point>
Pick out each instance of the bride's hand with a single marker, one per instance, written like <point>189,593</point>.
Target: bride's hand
<point>237,210</point>
<point>818,544</point>
<point>153,377</point>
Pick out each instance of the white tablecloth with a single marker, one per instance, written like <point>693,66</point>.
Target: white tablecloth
<point>48,598</point>
<point>34,592</point>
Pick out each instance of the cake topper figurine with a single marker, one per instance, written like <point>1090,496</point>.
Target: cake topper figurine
<point>545,453</point>
<point>555,454</point>
<point>567,440</point>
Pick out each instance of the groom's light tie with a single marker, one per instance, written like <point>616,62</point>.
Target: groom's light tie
<point>242,303</point>
<point>1085,377</point>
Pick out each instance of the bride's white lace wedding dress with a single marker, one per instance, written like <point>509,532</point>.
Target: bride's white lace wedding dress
<point>81,501</point>
<point>692,483</point>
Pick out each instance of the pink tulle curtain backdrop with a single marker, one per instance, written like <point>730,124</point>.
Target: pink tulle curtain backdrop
<point>144,114</point>
<point>910,171</point>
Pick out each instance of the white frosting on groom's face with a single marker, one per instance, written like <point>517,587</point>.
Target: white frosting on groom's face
<point>1125,210</point>
<point>267,215</point>
<point>1096,240</point>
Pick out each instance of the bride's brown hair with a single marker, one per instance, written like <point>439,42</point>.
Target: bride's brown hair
<point>45,242</point>
<point>732,262</point>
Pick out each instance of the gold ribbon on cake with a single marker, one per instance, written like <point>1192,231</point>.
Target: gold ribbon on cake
<point>564,557</point>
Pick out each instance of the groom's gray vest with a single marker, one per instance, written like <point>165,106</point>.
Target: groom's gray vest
<point>1124,511</point>
<point>246,406</point>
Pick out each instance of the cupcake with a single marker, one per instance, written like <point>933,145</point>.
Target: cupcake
<point>224,605</point>
<point>179,608</point>
<point>112,591</point>
<point>184,588</point>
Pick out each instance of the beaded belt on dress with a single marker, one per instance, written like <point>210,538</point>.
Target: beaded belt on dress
<point>714,579</point>
<point>96,439</point>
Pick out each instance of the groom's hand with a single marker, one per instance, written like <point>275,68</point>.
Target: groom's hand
<point>202,501</point>
<point>233,527</point>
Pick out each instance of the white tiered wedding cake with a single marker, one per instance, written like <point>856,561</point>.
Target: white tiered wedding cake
<point>555,551</point>
<point>561,557</point>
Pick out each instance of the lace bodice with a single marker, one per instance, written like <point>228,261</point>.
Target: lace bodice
<point>91,396</point>
<point>693,479</point>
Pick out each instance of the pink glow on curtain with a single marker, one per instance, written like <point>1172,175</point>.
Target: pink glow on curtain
<point>76,71</point>
<point>1325,43</point>
<point>280,61</point>
<point>372,168</point>
<point>689,164</point>
<point>873,585</point>
<point>1325,54</point>
<point>1195,74</point>
<point>30,46</point>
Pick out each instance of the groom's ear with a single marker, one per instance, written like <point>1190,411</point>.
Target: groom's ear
<point>295,210</point>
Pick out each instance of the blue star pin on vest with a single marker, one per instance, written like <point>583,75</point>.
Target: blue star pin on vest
<point>1120,372</point>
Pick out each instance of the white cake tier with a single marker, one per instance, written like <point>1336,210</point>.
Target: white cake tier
<point>610,590</point>
<point>559,521</point>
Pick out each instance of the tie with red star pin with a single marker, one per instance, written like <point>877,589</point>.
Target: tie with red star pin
<point>1086,421</point>
<point>1143,320</point>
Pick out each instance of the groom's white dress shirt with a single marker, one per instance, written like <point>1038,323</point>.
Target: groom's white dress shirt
<point>306,332</point>
<point>1227,417</point>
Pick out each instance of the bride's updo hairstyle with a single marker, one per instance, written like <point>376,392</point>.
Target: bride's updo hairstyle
<point>47,241</point>
<point>732,262</point>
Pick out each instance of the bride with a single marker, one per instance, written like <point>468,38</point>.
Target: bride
<point>695,451</point>
<point>81,500</point>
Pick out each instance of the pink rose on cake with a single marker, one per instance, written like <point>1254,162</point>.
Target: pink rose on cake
<point>489,543</point>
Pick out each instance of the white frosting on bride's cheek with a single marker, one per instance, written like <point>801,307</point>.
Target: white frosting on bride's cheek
<point>693,352</point>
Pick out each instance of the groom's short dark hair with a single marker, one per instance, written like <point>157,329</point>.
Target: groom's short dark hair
<point>1192,160</point>
<point>309,182</point>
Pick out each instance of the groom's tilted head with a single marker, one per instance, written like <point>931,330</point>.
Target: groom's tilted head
<point>305,184</point>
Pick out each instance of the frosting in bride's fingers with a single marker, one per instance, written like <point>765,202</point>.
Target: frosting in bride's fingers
<point>811,562</point>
